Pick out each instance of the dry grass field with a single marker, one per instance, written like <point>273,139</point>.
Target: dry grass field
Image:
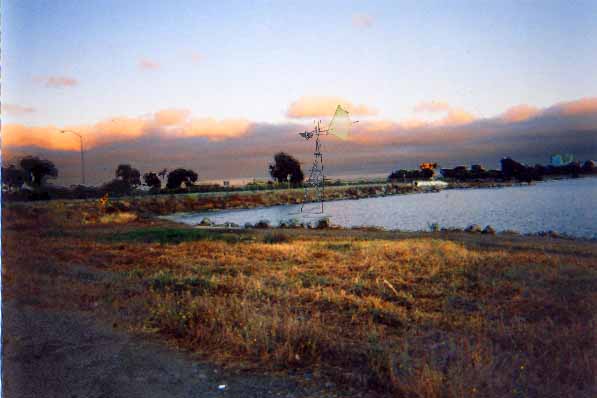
<point>401,314</point>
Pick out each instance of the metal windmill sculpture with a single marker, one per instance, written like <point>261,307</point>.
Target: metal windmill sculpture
<point>339,126</point>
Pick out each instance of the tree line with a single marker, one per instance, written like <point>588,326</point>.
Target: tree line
<point>27,179</point>
<point>510,169</point>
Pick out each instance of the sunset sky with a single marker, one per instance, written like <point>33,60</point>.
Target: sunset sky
<point>221,86</point>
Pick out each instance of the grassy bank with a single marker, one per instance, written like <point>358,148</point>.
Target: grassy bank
<point>403,314</point>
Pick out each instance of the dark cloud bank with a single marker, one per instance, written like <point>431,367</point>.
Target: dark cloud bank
<point>372,148</point>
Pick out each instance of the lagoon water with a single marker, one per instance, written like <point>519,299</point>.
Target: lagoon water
<point>565,206</point>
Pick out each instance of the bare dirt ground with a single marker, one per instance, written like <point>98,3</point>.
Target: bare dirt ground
<point>53,353</point>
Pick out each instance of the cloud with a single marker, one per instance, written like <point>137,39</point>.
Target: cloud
<point>167,124</point>
<point>325,107</point>
<point>451,116</point>
<point>214,129</point>
<point>362,21</point>
<point>519,113</point>
<point>148,64</point>
<point>17,135</point>
<point>196,57</point>
<point>17,110</point>
<point>234,148</point>
<point>564,121</point>
<point>169,117</point>
<point>579,107</point>
<point>57,81</point>
<point>432,106</point>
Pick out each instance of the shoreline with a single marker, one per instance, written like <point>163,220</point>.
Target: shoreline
<point>216,219</point>
<point>147,207</point>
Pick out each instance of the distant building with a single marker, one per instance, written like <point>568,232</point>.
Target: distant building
<point>561,160</point>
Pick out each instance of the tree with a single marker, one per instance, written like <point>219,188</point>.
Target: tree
<point>163,173</point>
<point>129,175</point>
<point>116,187</point>
<point>398,175</point>
<point>179,176</point>
<point>152,180</point>
<point>427,174</point>
<point>38,170</point>
<point>285,165</point>
<point>512,168</point>
<point>13,177</point>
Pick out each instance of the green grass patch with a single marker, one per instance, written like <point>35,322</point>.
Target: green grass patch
<point>175,235</point>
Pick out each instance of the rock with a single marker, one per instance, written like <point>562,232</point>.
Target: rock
<point>474,228</point>
<point>293,223</point>
<point>489,230</point>
<point>553,234</point>
<point>323,223</point>
<point>206,222</point>
<point>510,232</point>
<point>228,225</point>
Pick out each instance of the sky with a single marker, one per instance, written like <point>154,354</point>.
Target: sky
<point>219,86</point>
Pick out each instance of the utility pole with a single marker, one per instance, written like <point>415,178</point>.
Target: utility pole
<point>82,156</point>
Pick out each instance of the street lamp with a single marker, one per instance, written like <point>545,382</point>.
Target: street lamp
<point>82,157</point>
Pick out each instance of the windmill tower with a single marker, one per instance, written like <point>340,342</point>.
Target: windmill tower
<point>339,126</point>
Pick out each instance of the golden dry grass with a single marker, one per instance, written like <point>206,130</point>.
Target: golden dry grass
<point>412,315</point>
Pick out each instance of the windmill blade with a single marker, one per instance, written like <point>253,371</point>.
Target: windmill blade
<point>340,124</point>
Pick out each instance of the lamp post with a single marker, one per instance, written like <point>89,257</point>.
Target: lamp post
<point>82,156</point>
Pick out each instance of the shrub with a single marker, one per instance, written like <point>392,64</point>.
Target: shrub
<point>262,224</point>
<point>434,227</point>
<point>276,237</point>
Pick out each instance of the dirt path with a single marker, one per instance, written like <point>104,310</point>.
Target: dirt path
<point>50,353</point>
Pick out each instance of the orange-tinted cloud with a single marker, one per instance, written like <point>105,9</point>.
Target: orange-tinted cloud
<point>17,110</point>
<point>362,20</point>
<point>57,81</point>
<point>432,106</point>
<point>458,126</point>
<point>520,113</point>
<point>48,137</point>
<point>577,107</point>
<point>148,64</point>
<point>451,116</point>
<point>214,129</point>
<point>169,117</point>
<point>168,124</point>
<point>325,107</point>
